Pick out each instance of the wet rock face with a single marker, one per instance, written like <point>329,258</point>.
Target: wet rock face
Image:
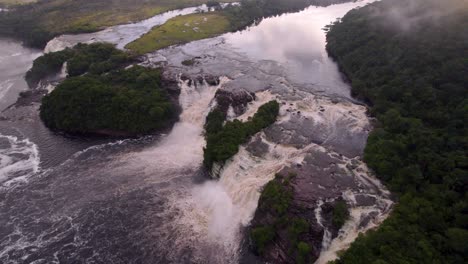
<point>170,83</point>
<point>29,97</point>
<point>287,234</point>
<point>238,100</point>
<point>321,180</point>
<point>326,138</point>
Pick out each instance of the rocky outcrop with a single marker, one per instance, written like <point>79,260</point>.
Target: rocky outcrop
<point>238,100</point>
<point>323,178</point>
<point>226,100</point>
<point>295,223</point>
<point>315,190</point>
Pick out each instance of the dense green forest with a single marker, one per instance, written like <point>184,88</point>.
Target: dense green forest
<point>107,99</point>
<point>123,102</point>
<point>223,141</point>
<point>96,58</point>
<point>252,11</point>
<point>409,60</point>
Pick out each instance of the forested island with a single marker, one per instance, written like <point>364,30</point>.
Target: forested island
<point>407,59</point>
<point>96,58</point>
<point>102,97</point>
<point>223,139</point>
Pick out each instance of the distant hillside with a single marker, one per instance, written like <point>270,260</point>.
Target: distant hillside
<point>408,60</point>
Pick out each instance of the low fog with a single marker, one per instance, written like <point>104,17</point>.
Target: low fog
<point>409,14</point>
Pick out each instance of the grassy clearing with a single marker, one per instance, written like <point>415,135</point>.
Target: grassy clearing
<point>103,13</point>
<point>40,21</point>
<point>181,29</point>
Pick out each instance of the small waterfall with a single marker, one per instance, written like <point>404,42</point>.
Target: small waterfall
<point>182,148</point>
<point>223,207</point>
<point>220,209</point>
<point>356,223</point>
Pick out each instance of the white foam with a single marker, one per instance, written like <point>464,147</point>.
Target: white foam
<point>183,146</point>
<point>18,161</point>
<point>5,87</point>
<point>262,98</point>
<point>352,228</point>
<point>221,208</point>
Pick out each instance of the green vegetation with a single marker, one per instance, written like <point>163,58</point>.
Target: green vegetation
<point>261,237</point>
<point>276,197</point>
<point>9,3</point>
<point>122,102</point>
<point>303,252</point>
<point>275,209</point>
<point>190,62</point>
<point>47,65</point>
<point>181,29</point>
<point>413,72</point>
<point>95,58</point>
<point>274,202</point>
<point>212,3</point>
<point>251,11</point>
<point>100,97</point>
<point>39,22</point>
<point>340,214</point>
<point>223,141</point>
<point>297,227</point>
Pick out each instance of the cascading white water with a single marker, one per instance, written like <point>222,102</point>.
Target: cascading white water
<point>352,228</point>
<point>183,146</point>
<point>221,208</point>
<point>218,210</point>
<point>19,159</point>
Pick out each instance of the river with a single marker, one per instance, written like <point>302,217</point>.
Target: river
<point>88,200</point>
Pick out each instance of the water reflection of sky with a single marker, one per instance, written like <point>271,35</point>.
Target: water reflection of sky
<point>297,41</point>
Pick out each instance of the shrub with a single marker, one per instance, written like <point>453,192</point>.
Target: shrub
<point>261,237</point>
<point>340,214</point>
<point>223,141</point>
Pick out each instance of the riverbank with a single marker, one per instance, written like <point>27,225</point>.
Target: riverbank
<point>37,23</point>
<point>180,30</point>
<point>418,147</point>
<point>227,18</point>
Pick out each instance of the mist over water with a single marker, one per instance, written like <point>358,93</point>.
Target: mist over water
<point>147,200</point>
